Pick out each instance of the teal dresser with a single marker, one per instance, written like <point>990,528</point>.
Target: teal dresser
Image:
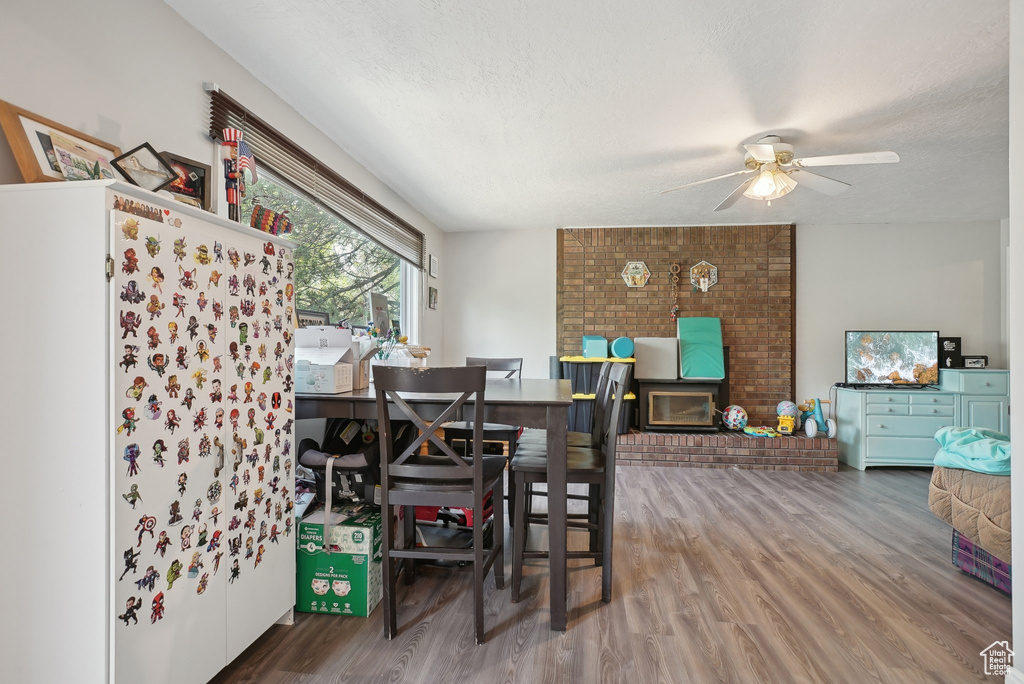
<point>893,427</point>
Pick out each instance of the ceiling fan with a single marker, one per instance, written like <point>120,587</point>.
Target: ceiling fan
<point>778,172</point>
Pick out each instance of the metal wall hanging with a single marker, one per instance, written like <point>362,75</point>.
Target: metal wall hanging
<point>636,274</point>
<point>703,276</point>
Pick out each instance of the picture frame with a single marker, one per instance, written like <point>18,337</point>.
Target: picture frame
<point>379,317</point>
<point>432,298</point>
<point>311,319</point>
<point>432,268</point>
<point>193,185</point>
<point>31,139</point>
<point>142,166</point>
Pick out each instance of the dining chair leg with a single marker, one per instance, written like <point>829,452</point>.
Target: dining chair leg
<point>478,567</point>
<point>388,568</point>
<point>498,535</point>
<point>606,551</point>
<point>594,514</point>
<point>519,526</point>
<point>511,498</point>
<point>409,542</point>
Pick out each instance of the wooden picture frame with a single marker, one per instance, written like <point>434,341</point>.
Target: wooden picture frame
<point>432,298</point>
<point>314,319</point>
<point>432,268</point>
<point>194,183</point>
<point>142,166</point>
<point>29,137</point>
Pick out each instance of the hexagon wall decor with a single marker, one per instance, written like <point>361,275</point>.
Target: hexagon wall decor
<point>636,274</point>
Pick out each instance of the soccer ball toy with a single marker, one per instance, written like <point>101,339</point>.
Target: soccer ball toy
<point>787,408</point>
<point>734,417</point>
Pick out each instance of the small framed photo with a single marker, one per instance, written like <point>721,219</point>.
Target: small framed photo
<point>142,166</point>
<point>312,319</point>
<point>432,298</point>
<point>192,186</point>
<point>48,151</point>
<point>433,266</point>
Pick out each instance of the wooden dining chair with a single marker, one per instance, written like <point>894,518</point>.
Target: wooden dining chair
<point>539,437</point>
<point>462,431</point>
<point>584,465</point>
<point>411,479</point>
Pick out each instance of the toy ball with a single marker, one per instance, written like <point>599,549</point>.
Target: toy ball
<point>734,417</point>
<point>787,408</point>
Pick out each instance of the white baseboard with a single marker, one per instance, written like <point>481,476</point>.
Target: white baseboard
<point>1014,676</point>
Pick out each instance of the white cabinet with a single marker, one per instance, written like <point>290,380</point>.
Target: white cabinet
<point>151,435</point>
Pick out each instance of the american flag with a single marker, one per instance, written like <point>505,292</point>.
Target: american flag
<point>246,160</point>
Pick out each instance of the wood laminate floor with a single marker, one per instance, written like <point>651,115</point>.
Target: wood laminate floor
<point>720,575</point>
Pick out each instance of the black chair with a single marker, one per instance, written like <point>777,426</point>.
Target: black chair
<point>602,400</point>
<point>584,465</point>
<point>411,479</point>
<point>462,431</point>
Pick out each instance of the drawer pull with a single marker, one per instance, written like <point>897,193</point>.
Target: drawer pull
<point>889,399</point>
<point>881,426</point>
<point>935,401</point>
<point>889,410</point>
<point>988,384</point>
<point>935,410</point>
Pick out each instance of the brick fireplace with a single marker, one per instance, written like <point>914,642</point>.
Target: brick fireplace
<point>756,300</point>
<point>754,297</point>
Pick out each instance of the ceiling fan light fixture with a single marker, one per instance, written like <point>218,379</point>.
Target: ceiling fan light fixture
<point>771,183</point>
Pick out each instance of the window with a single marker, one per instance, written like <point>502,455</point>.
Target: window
<point>348,245</point>
<point>336,267</point>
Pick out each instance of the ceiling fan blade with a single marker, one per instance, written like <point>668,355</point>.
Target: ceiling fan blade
<point>885,157</point>
<point>762,152</point>
<point>822,184</point>
<point>708,180</point>
<point>736,194</point>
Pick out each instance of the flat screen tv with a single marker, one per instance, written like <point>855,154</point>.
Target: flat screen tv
<point>892,357</point>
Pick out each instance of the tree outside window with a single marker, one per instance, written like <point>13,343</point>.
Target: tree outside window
<point>336,267</point>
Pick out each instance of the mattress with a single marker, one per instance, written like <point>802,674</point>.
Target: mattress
<point>975,504</point>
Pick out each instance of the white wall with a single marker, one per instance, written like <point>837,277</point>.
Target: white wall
<point>131,71</point>
<point>942,276</point>
<point>499,297</point>
<point>1015,309</point>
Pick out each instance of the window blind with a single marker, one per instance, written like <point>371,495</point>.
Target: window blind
<point>314,179</point>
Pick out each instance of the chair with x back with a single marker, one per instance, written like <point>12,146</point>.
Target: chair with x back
<point>411,478</point>
<point>462,431</point>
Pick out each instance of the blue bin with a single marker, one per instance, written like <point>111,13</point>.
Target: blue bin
<point>595,347</point>
<point>622,348</point>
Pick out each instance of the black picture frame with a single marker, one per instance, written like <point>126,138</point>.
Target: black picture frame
<point>193,191</point>
<point>144,167</point>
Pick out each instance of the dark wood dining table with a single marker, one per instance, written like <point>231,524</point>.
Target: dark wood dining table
<point>527,402</point>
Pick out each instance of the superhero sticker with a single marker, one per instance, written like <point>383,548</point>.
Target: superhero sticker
<point>204,426</point>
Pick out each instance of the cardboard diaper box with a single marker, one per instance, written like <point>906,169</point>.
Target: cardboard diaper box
<point>323,360</point>
<point>345,578</point>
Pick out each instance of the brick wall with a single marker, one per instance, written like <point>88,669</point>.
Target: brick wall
<point>754,297</point>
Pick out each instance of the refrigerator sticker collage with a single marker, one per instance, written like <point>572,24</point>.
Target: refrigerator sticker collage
<point>203,400</point>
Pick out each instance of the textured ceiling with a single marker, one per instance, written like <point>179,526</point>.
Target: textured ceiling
<point>490,114</point>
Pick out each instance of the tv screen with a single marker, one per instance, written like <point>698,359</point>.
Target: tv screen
<point>892,357</point>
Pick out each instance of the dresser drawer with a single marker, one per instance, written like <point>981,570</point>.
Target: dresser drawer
<point>905,426</point>
<point>888,410</point>
<point>931,410</point>
<point>888,398</point>
<point>981,382</point>
<point>901,451</point>
<point>932,398</point>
